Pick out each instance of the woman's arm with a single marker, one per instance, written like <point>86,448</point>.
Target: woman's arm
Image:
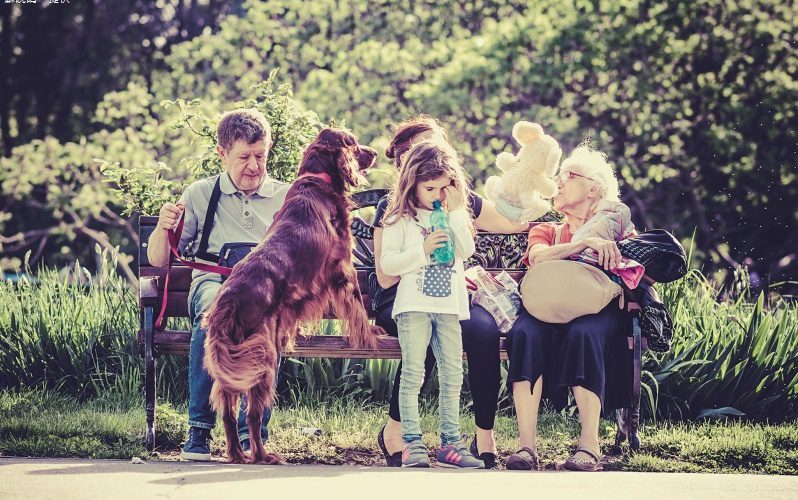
<point>385,280</point>
<point>608,254</point>
<point>540,252</point>
<point>489,219</point>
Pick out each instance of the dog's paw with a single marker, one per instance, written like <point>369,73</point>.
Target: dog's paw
<point>237,458</point>
<point>269,459</point>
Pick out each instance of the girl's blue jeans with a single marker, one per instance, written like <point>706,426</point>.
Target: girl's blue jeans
<point>417,331</point>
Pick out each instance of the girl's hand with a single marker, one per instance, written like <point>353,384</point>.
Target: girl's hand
<point>609,257</point>
<point>435,240</point>
<point>454,200</point>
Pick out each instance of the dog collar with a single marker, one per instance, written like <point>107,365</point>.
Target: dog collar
<point>323,176</point>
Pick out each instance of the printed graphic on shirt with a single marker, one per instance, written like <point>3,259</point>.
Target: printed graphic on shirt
<point>437,281</point>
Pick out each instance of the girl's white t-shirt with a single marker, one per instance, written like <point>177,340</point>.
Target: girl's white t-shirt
<point>424,287</point>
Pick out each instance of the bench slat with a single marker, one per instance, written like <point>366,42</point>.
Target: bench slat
<point>314,346</point>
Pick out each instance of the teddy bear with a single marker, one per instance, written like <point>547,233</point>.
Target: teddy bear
<point>521,193</point>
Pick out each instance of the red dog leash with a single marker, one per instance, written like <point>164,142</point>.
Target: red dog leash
<point>174,239</point>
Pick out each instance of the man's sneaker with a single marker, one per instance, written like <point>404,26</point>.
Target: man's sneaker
<point>245,444</point>
<point>457,456</point>
<point>415,455</point>
<point>198,445</point>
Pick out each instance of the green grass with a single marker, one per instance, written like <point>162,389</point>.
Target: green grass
<point>44,424</point>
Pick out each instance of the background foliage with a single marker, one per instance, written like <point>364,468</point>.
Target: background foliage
<point>693,102</point>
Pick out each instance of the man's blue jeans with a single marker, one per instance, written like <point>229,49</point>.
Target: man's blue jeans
<point>200,413</point>
<point>417,331</point>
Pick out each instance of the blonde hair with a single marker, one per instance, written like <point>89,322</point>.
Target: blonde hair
<point>594,164</point>
<point>424,161</point>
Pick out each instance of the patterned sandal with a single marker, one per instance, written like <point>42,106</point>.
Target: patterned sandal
<point>591,464</point>
<point>523,459</point>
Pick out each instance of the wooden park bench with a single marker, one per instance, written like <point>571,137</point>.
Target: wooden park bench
<point>494,252</point>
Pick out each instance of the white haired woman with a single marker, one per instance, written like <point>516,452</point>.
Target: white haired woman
<point>547,359</point>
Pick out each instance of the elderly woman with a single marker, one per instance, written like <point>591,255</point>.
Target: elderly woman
<point>546,359</point>
<point>480,333</point>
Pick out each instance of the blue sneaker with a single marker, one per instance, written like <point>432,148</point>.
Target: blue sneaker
<point>457,456</point>
<point>415,455</point>
<point>198,445</point>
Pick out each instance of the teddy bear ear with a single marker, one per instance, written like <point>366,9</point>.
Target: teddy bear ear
<point>526,132</point>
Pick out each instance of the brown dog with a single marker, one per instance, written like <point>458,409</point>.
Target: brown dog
<point>302,266</point>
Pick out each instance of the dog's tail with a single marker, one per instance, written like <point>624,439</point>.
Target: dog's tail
<point>236,368</point>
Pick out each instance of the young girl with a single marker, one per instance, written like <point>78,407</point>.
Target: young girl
<point>431,298</point>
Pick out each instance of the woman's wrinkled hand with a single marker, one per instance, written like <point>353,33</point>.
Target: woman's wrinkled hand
<point>608,254</point>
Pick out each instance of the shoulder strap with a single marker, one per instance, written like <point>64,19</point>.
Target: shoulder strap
<point>213,204</point>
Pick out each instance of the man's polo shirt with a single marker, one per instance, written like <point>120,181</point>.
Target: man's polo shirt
<point>239,218</point>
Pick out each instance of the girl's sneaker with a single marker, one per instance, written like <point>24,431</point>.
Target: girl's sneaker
<point>457,456</point>
<point>415,455</point>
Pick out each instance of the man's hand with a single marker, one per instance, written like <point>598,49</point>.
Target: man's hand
<point>435,240</point>
<point>170,215</point>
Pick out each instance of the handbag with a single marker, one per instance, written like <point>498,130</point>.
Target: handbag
<point>659,252</point>
<point>559,291</point>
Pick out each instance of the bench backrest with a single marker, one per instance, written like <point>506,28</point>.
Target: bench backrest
<point>494,252</point>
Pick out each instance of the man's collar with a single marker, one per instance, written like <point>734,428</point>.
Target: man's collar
<point>266,189</point>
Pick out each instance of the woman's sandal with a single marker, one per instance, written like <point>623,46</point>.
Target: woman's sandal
<point>391,459</point>
<point>523,459</point>
<point>580,464</point>
<point>487,457</point>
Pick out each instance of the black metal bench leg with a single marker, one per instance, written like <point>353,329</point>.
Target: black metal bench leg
<point>149,378</point>
<point>637,361</point>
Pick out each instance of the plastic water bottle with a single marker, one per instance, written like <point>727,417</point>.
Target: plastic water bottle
<point>439,221</point>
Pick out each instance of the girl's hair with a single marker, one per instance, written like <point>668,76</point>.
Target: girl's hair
<point>425,161</point>
<point>409,130</point>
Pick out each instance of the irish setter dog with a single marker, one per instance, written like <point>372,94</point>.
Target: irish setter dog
<point>301,267</point>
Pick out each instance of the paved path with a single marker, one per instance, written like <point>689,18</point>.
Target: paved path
<point>63,479</point>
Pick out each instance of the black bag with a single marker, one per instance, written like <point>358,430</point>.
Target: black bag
<point>661,254</point>
<point>380,297</point>
<point>233,253</point>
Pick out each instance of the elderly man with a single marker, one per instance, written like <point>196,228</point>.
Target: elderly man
<point>237,206</point>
